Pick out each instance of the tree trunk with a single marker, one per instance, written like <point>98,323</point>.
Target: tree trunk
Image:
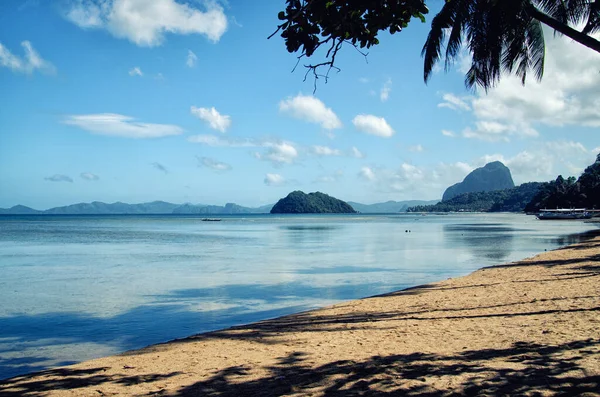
<point>560,27</point>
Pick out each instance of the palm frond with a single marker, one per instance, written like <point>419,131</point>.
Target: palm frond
<point>432,50</point>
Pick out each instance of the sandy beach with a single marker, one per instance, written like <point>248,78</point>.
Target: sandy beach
<point>525,328</point>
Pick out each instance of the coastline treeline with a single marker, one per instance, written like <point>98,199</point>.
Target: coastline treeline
<point>582,192</point>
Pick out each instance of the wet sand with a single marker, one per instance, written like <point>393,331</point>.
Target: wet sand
<point>525,328</point>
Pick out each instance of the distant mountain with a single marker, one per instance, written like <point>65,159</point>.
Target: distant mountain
<point>19,210</point>
<point>507,200</point>
<point>389,206</point>
<point>100,208</point>
<point>229,208</point>
<point>298,202</point>
<point>492,176</point>
<point>154,207</point>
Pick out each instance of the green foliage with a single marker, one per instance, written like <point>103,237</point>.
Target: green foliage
<point>310,24</point>
<point>570,193</point>
<point>507,200</point>
<point>500,35</point>
<point>298,202</point>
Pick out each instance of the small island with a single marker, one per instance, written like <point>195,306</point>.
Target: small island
<point>298,202</point>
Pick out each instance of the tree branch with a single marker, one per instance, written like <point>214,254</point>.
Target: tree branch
<point>560,27</point>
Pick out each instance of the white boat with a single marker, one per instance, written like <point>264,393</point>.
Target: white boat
<point>564,213</point>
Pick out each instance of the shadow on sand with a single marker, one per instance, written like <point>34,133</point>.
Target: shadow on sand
<point>524,368</point>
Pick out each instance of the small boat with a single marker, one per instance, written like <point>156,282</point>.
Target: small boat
<point>210,220</point>
<point>564,213</point>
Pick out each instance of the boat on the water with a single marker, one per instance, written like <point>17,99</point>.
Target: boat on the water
<point>564,213</point>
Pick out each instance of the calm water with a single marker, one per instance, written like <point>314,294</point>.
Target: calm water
<point>78,287</point>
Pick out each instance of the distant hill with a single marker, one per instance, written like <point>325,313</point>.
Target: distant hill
<point>19,210</point>
<point>298,202</point>
<point>492,176</point>
<point>507,200</point>
<point>389,206</point>
<point>154,207</point>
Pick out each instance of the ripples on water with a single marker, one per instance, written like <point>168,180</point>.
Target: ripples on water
<point>75,287</point>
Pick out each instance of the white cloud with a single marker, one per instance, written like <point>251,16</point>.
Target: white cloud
<point>274,180</point>
<point>357,153</point>
<point>384,94</point>
<point>59,178</point>
<point>145,22</point>
<point>363,80</point>
<point>278,153</point>
<point>213,164</point>
<point>448,133</point>
<point>310,109</point>
<point>136,71</point>
<point>454,102</point>
<point>373,125</point>
<point>88,176</point>
<point>32,61</point>
<point>215,120</point>
<point>191,59</point>
<point>119,125</point>
<point>325,151</point>
<point>160,167</point>
<point>217,141</point>
<point>367,173</point>
<point>568,95</point>
<point>416,148</point>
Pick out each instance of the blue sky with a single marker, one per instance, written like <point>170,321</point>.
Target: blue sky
<point>142,100</point>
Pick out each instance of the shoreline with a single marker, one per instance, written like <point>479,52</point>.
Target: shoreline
<point>517,328</point>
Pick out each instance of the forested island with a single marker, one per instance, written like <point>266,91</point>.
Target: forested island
<point>298,202</point>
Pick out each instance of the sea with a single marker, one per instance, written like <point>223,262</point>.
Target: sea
<point>73,288</point>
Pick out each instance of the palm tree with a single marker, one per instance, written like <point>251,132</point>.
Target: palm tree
<point>506,34</point>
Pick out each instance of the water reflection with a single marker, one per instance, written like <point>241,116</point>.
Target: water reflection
<point>487,241</point>
<point>307,233</point>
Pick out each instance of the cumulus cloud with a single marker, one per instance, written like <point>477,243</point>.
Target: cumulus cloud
<point>330,178</point>
<point>160,167</point>
<point>191,59</point>
<point>448,133</point>
<point>215,120</point>
<point>367,173</point>
<point>30,63</point>
<point>88,176</point>
<point>122,126</point>
<point>59,178</point>
<point>415,148</point>
<point>136,71</point>
<point>384,94</point>
<point>146,22</point>
<point>278,153</point>
<point>357,153</point>
<point>310,109</point>
<point>373,125</point>
<point>325,151</point>
<point>213,164</point>
<point>274,180</point>
<point>568,95</point>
